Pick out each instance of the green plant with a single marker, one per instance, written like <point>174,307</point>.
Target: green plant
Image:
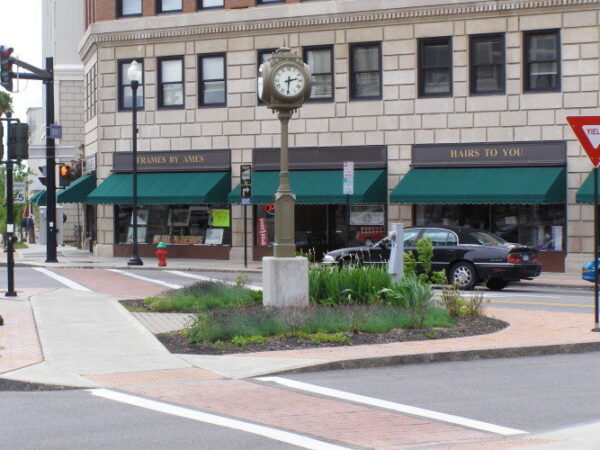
<point>350,284</point>
<point>5,102</point>
<point>474,305</point>
<point>453,300</point>
<point>414,296</point>
<point>320,338</point>
<point>240,280</point>
<point>220,345</point>
<point>420,266</point>
<point>240,341</point>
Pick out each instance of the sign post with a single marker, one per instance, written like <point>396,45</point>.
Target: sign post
<point>348,186</point>
<point>246,193</point>
<point>587,130</point>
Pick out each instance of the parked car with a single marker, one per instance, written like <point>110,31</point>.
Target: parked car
<point>468,256</point>
<point>587,271</point>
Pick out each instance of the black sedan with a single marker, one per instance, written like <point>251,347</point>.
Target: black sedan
<point>468,256</point>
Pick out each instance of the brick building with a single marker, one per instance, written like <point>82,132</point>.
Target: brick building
<point>453,112</point>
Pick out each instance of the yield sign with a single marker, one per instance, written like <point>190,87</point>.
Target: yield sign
<point>587,130</point>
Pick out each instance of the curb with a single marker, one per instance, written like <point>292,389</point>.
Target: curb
<point>92,266</point>
<point>461,355</point>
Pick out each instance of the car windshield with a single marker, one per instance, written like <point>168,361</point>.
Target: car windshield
<point>485,238</point>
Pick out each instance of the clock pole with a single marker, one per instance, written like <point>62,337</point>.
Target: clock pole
<point>284,84</point>
<point>285,200</point>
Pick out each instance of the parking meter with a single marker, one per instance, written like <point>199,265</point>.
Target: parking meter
<point>396,261</point>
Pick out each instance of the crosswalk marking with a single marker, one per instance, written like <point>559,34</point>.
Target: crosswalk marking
<point>260,430</point>
<point>398,407</point>
<point>204,278</point>
<point>68,283</point>
<point>149,280</point>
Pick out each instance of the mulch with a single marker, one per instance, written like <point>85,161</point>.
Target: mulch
<point>176,342</point>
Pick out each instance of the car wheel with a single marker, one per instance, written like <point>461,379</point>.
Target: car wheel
<point>496,284</point>
<point>463,275</point>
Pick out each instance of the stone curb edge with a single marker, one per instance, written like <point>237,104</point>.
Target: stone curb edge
<point>464,355</point>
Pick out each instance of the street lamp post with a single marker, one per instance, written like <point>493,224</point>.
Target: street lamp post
<point>135,75</point>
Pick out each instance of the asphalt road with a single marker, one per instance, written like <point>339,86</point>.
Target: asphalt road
<point>514,296</point>
<point>533,394</point>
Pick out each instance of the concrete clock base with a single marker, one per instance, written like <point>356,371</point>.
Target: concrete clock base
<point>285,281</point>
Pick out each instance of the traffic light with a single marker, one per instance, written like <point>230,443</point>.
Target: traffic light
<point>65,175</point>
<point>44,178</point>
<point>6,68</point>
<point>19,141</point>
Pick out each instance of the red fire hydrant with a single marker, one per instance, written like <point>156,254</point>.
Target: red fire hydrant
<point>161,254</point>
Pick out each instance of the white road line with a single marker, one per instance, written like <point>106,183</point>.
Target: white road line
<point>203,278</point>
<point>68,283</point>
<point>150,280</point>
<point>398,407</point>
<point>270,433</point>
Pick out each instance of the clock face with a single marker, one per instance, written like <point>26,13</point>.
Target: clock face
<point>288,81</point>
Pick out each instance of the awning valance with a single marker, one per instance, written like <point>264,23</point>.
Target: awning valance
<point>39,199</point>
<point>585,194</point>
<point>78,190</point>
<point>318,187</point>
<point>164,188</point>
<point>515,185</point>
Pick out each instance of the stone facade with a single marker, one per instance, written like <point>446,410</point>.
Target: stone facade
<point>399,120</point>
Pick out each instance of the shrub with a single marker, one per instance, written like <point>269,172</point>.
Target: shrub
<point>203,295</point>
<point>348,285</point>
<point>320,338</point>
<point>411,294</point>
<point>452,300</point>
<point>475,304</point>
<point>420,266</point>
<point>240,341</point>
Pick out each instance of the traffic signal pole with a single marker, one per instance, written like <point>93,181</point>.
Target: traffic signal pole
<point>51,226</point>
<point>10,217</point>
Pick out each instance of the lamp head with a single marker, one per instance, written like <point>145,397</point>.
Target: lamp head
<point>134,72</point>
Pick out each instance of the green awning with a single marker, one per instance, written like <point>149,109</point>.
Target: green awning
<point>318,187</point>
<point>39,199</point>
<point>164,188</point>
<point>585,194</point>
<point>78,190</point>
<point>517,185</point>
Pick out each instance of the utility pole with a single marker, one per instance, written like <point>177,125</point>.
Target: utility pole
<point>10,219</point>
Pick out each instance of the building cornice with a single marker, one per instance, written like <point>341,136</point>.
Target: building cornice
<point>100,37</point>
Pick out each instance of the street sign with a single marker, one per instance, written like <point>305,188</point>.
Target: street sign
<point>348,183</point>
<point>246,182</point>
<point>587,130</point>
<point>19,193</point>
<point>55,132</point>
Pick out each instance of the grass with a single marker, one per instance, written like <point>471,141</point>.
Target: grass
<point>203,296</point>
<point>20,245</point>
<point>316,322</point>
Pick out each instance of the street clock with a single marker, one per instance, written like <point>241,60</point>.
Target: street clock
<point>284,82</point>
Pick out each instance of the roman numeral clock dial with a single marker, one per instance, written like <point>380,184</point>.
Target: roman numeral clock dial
<point>288,81</point>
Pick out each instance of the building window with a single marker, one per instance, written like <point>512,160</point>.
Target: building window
<point>170,82</point>
<point>206,4</point>
<point>169,5</point>
<point>129,8</point>
<point>542,61</point>
<point>435,67</point>
<point>91,78</point>
<point>264,2</point>
<point>487,64</point>
<point>125,94</point>
<point>212,80</point>
<point>263,56</point>
<point>365,70</point>
<point>320,61</point>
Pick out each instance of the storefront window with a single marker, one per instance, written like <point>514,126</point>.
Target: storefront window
<point>176,224</point>
<point>320,228</point>
<point>539,226</point>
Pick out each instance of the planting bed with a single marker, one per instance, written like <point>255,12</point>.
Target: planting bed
<point>466,326</point>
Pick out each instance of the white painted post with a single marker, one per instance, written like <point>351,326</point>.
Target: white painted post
<point>396,261</point>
